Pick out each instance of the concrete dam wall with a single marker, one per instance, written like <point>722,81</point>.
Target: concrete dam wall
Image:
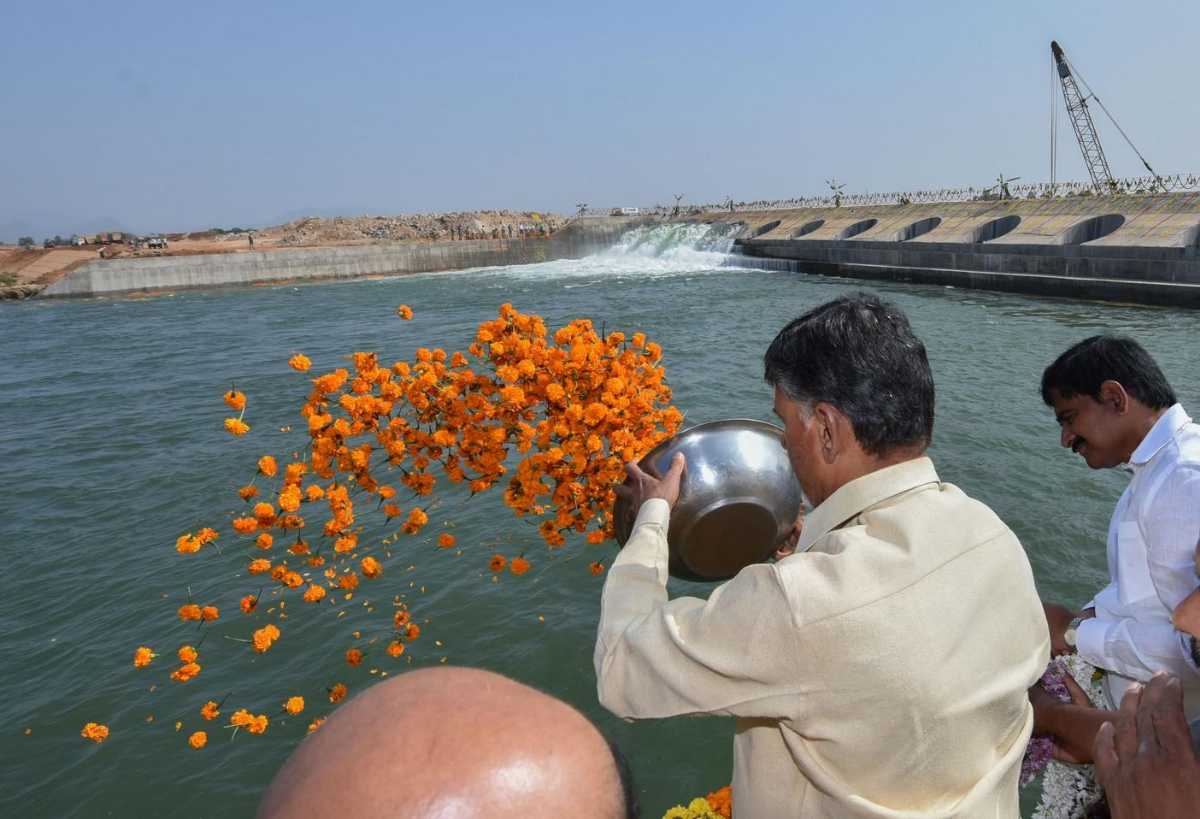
<point>1142,249</point>
<point>113,276</point>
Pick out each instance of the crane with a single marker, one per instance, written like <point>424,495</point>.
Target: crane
<point>1085,128</point>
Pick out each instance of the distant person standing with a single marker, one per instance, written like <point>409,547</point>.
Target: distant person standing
<point>250,238</point>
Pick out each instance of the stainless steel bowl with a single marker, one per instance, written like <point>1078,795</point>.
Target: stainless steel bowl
<point>738,501</point>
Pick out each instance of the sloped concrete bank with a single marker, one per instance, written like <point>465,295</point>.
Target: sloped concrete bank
<point>116,276</point>
<point>1142,249</point>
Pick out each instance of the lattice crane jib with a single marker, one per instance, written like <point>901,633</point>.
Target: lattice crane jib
<point>1081,122</point>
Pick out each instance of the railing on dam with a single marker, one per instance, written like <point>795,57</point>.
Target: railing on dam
<point>1134,185</point>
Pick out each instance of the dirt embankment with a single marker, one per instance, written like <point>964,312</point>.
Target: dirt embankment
<point>25,272</point>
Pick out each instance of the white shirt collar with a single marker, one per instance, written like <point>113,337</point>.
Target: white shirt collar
<point>1160,434</point>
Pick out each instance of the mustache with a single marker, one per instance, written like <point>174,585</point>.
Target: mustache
<point>1076,444</point>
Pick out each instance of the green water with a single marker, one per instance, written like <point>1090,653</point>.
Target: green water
<point>113,446</point>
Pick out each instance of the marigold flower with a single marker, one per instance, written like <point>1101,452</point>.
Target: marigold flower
<point>371,568</point>
<point>300,362</point>
<point>289,498</point>
<point>337,693</point>
<point>497,563</point>
<point>400,619</point>
<point>249,603</point>
<point>258,725</point>
<point>314,492</point>
<point>264,637</point>
<point>518,566</point>
<point>185,672</point>
<point>395,648</point>
<point>412,632</point>
<point>264,541</point>
<point>187,654</point>
<point>95,732</point>
<point>236,400</point>
<point>294,705</point>
<point>264,513</point>
<point>721,801</point>
<point>190,611</point>
<point>446,540</point>
<point>198,740</point>
<point>208,613</point>
<point>142,657</point>
<point>210,710</point>
<point>405,312</point>
<point>354,656</point>
<point>259,566</point>
<point>267,466</point>
<point>596,568</point>
<point>245,526</point>
<point>248,491</point>
<point>186,544</point>
<point>315,724</point>
<point>314,593</point>
<point>416,519</point>
<point>292,580</point>
<point>596,536</point>
<point>236,427</point>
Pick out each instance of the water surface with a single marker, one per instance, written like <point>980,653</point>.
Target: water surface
<point>113,446</point>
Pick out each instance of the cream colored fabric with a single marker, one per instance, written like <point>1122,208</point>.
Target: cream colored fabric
<point>882,673</point>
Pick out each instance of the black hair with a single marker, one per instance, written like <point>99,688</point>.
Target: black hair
<point>859,354</point>
<point>629,800</point>
<point>1083,368</point>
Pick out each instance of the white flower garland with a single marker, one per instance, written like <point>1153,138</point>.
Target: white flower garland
<point>1068,791</point>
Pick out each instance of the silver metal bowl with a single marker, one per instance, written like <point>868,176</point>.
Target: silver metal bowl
<point>738,501</point>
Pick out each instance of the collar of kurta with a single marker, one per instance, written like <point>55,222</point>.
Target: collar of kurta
<point>861,494</point>
<point>1164,429</point>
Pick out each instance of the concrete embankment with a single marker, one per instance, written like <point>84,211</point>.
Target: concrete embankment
<point>116,276</point>
<point>1143,249</point>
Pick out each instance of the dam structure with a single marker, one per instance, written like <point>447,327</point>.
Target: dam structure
<point>129,276</point>
<point>1136,248</point>
<point>1140,248</point>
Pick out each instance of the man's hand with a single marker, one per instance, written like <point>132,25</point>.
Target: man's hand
<point>789,543</point>
<point>1058,618</point>
<point>1146,762</point>
<point>642,486</point>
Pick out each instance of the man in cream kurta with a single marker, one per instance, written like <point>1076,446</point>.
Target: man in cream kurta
<point>879,671</point>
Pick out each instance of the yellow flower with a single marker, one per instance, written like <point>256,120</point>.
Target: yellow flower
<point>294,705</point>
<point>95,732</point>
<point>236,427</point>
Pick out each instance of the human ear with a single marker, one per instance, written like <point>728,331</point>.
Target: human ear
<point>1114,395</point>
<point>829,434</point>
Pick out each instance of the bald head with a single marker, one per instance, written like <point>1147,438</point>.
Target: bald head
<point>448,743</point>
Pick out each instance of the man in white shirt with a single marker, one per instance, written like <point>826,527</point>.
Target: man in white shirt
<point>1116,409</point>
<point>881,669</point>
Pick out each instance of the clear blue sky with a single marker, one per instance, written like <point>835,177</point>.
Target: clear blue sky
<point>170,116</point>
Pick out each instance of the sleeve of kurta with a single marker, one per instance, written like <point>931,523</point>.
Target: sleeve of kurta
<point>732,654</point>
<point>1170,527</point>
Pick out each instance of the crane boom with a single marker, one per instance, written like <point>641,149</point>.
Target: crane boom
<point>1081,121</point>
